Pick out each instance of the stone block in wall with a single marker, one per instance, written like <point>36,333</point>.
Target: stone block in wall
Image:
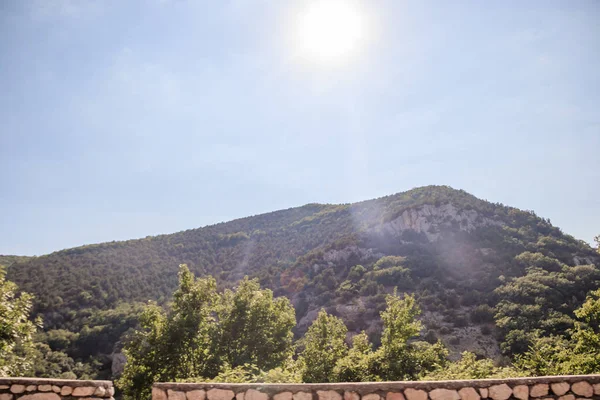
<point>521,392</point>
<point>196,395</point>
<point>329,395</point>
<point>30,388</point>
<point>100,391</point>
<point>500,392</point>
<point>567,397</point>
<point>6,396</point>
<point>468,393</point>
<point>83,391</point>
<point>45,388</point>
<point>220,394</point>
<point>560,388</point>
<point>16,388</point>
<point>56,389</point>
<point>444,394</point>
<point>252,394</point>
<point>302,396</point>
<point>388,396</point>
<point>415,394</point>
<point>175,395</point>
<point>158,394</point>
<point>40,396</point>
<point>583,388</point>
<point>240,396</point>
<point>539,390</point>
<point>283,396</point>
<point>371,396</point>
<point>483,392</point>
<point>66,390</point>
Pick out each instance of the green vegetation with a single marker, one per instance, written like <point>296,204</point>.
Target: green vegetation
<point>466,263</point>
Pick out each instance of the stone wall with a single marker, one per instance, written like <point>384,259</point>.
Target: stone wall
<point>541,388</point>
<point>54,389</point>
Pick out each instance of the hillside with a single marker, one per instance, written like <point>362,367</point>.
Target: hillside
<point>452,250</point>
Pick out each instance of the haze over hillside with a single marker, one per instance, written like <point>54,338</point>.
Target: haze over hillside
<point>447,247</point>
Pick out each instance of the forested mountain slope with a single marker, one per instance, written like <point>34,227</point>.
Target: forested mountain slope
<point>474,266</point>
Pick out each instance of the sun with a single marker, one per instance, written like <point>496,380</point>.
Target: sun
<point>329,31</point>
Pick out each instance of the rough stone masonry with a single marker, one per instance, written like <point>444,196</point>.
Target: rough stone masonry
<point>54,389</point>
<point>540,388</point>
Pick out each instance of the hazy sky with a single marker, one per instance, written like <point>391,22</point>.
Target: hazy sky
<point>121,119</point>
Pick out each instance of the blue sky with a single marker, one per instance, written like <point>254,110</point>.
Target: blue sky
<point>122,119</point>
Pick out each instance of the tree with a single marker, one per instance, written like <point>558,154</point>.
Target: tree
<point>324,345</point>
<point>564,355</point>
<point>16,330</point>
<point>357,366</point>
<point>469,367</point>
<point>400,359</point>
<point>254,327</point>
<point>205,335</point>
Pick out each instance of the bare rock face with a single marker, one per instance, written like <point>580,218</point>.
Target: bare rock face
<point>583,389</point>
<point>415,394</point>
<point>500,392</point>
<point>521,392</point>
<point>444,394</point>
<point>329,395</point>
<point>423,219</point>
<point>468,393</point>
<point>118,363</point>
<point>157,394</point>
<point>539,390</point>
<point>220,394</point>
<point>196,395</point>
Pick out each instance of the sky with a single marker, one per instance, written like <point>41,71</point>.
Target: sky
<point>122,119</point>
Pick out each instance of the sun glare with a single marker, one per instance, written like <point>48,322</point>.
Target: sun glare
<point>330,30</point>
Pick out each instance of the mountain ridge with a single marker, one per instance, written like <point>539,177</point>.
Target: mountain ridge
<point>446,246</point>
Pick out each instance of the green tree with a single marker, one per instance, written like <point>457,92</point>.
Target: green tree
<point>255,328</point>
<point>173,345</point>
<point>357,366</point>
<point>16,330</point>
<point>205,335</point>
<point>469,367</point>
<point>324,345</point>
<point>564,355</point>
<point>400,359</point>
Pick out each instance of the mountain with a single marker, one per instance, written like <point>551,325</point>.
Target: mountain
<point>449,248</point>
<point>7,260</point>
